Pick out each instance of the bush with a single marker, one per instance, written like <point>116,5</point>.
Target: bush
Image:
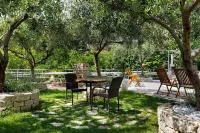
<point>21,85</point>
<point>146,75</point>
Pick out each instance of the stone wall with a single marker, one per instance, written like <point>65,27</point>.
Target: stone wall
<point>171,122</point>
<point>20,101</point>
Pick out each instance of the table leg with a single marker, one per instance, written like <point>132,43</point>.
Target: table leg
<point>86,92</point>
<point>91,93</point>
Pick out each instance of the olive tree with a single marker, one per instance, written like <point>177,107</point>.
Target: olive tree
<point>36,40</point>
<point>14,14</point>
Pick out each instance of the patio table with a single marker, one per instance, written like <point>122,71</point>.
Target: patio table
<point>90,81</point>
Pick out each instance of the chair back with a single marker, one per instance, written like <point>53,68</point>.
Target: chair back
<point>182,76</point>
<point>114,87</point>
<point>70,79</point>
<point>162,75</point>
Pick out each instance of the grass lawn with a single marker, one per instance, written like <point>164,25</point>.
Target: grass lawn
<point>137,114</point>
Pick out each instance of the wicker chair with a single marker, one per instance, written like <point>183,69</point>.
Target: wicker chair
<point>183,80</point>
<point>112,92</point>
<point>72,85</point>
<point>165,80</point>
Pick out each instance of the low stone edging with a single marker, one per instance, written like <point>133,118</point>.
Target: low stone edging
<point>171,122</point>
<point>20,101</point>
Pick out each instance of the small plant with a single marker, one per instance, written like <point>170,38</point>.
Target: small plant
<point>191,100</point>
<point>5,112</point>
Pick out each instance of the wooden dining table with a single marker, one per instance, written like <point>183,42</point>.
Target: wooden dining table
<point>91,80</point>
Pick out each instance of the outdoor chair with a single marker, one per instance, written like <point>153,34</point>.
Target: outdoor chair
<point>165,80</point>
<point>183,80</point>
<point>112,92</point>
<point>72,85</point>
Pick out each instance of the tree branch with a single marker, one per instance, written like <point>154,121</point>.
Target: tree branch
<point>16,23</point>
<point>19,55</point>
<point>182,4</point>
<point>48,54</point>
<point>104,45</point>
<point>9,33</point>
<point>31,54</point>
<point>171,31</point>
<point>100,43</point>
<point>191,8</point>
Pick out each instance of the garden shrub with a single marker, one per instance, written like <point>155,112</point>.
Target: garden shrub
<point>21,85</point>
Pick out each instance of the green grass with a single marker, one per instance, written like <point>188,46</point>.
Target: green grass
<point>137,108</point>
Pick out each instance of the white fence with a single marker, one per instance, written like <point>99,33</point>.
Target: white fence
<point>45,73</point>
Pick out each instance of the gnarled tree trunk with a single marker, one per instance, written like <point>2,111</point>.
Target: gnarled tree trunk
<point>186,51</point>
<point>4,56</point>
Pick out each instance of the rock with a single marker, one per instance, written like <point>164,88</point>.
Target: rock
<point>176,119</point>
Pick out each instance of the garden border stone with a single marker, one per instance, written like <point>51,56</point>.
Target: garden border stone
<point>20,101</point>
<point>171,122</point>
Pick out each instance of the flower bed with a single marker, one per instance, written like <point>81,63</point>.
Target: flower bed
<point>172,122</point>
<point>20,101</point>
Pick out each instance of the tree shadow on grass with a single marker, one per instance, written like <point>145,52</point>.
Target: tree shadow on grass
<point>53,115</point>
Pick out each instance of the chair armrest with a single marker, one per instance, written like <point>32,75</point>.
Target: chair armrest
<point>99,89</point>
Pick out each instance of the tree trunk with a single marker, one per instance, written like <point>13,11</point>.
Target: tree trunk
<point>142,70</point>
<point>2,78</point>
<point>5,57</point>
<point>97,65</point>
<point>194,78</point>
<point>186,56</point>
<point>32,71</point>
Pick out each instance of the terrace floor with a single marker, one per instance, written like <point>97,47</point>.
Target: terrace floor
<point>150,88</point>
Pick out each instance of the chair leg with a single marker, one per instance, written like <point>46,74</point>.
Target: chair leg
<point>86,96</point>
<point>118,102</point>
<point>178,92</point>
<point>104,102</point>
<point>72,98</point>
<point>91,102</point>
<point>108,105</point>
<point>65,95</point>
<point>169,90</point>
<point>185,91</point>
<point>159,88</point>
